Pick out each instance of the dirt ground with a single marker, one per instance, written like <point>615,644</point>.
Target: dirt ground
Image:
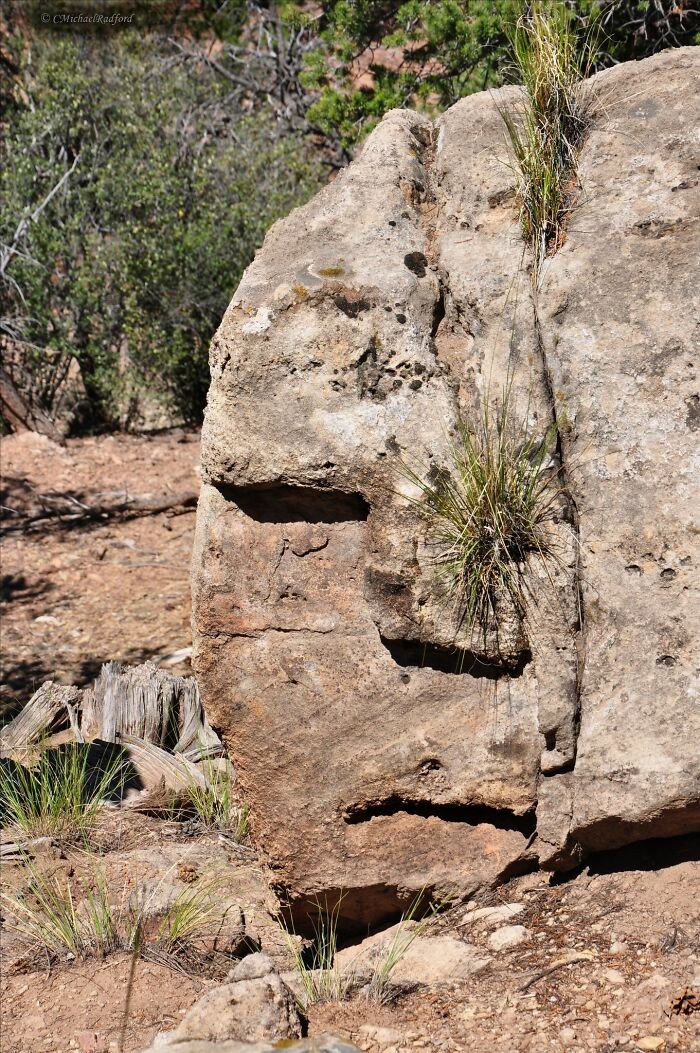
<point>603,960</point>
<point>631,938</point>
<point>77,594</point>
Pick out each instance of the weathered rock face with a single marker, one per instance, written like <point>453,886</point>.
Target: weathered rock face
<point>619,314</point>
<point>382,749</point>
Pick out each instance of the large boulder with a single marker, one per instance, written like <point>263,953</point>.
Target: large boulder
<point>386,751</point>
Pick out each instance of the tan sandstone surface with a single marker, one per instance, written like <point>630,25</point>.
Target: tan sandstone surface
<point>383,750</point>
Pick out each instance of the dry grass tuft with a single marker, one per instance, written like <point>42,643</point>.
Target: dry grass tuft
<point>61,795</point>
<point>546,131</point>
<point>488,511</point>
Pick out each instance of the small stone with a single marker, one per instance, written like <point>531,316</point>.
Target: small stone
<point>252,967</point>
<point>650,1042</point>
<point>493,915</point>
<point>613,976</point>
<point>387,1038</point>
<point>567,1036</point>
<point>88,1041</point>
<point>507,936</point>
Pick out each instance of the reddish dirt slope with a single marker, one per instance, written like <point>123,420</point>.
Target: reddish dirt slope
<point>77,594</point>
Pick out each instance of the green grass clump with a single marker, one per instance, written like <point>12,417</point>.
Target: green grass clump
<point>192,912</point>
<point>214,804</point>
<point>50,917</point>
<point>546,131</point>
<point>61,795</point>
<point>320,978</point>
<point>487,511</point>
<point>379,987</point>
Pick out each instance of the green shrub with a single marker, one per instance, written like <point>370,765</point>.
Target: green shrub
<point>430,53</point>
<point>133,194</point>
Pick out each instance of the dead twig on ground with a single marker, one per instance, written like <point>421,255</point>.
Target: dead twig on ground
<point>69,510</point>
<point>559,964</point>
<point>135,951</point>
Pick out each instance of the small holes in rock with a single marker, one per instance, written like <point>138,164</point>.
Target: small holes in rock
<point>416,263</point>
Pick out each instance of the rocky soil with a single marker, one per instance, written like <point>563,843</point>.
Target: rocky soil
<point>599,962</point>
<point>628,927</point>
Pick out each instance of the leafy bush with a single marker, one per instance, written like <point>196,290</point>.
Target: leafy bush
<point>430,53</point>
<point>134,193</point>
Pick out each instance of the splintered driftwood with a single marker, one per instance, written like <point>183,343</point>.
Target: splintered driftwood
<point>147,703</point>
<point>52,708</point>
<point>157,718</point>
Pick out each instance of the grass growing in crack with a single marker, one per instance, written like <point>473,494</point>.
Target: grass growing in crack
<point>379,986</point>
<point>61,795</point>
<point>488,511</point>
<point>322,979</point>
<point>546,131</point>
<point>189,915</point>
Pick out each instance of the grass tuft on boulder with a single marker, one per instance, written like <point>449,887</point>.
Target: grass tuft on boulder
<point>488,511</point>
<point>546,130</point>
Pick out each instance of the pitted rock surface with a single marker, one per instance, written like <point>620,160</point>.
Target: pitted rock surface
<point>383,749</point>
<point>256,1006</point>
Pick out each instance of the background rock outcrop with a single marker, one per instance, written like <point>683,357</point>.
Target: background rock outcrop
<point>382,748</point>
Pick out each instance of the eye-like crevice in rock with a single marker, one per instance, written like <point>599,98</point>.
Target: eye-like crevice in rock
<point>283,503</point>
<point>470,814</point>
<point>415,654</point>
